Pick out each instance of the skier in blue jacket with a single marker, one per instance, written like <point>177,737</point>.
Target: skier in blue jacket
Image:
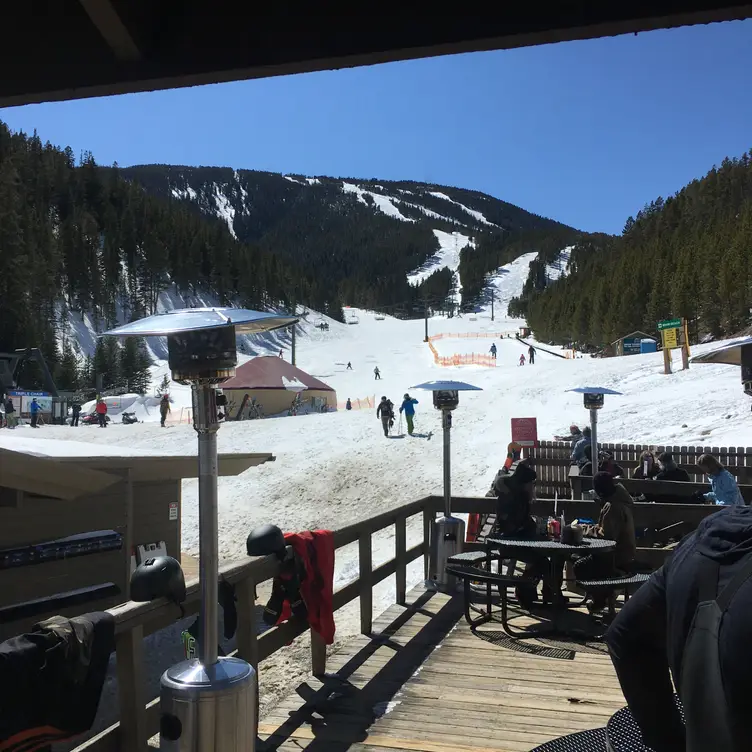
<point>34,409</point>
<point>408,405</point>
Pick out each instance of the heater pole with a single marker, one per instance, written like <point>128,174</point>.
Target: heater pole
<point>594,438</point>
<point>206,425</point>
<point>446,421</point>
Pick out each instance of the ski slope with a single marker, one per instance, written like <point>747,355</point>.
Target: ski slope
<point>334,469</point>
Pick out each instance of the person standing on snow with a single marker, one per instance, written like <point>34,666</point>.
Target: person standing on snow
<point>493,351</point>
<point>349,366</point>
<point>34,409</point>
<point>522,359</point>
<point>408,405</point>
<point>348,404</point>
<point>101,411</point>
<point>377,374</point>
<point>531,355</point>
<point>10,413</point>
<point>75,414</point>
<point>164,409</point>
<point>385,411</point>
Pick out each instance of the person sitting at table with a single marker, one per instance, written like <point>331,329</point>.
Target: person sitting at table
<point>647,469</point>
<point>606,464</point>
<point>723,487</point>
<point>669,470</point>
<point>515,492</point>
<point>616,523</point>
<point>654,638</point>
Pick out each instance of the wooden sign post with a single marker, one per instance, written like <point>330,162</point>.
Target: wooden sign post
<point>674,334</point>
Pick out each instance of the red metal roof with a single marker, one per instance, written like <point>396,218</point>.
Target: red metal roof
<point>266,372</point>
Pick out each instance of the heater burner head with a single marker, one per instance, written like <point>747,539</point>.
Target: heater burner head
<point>207,356</point>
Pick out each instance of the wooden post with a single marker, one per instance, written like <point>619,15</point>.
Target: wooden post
<point>128,542</point>
<point>428,517</point>
<point>245,591</point>
<point>248,648</point>
<point>130,674</point>
<point>400,547</point>
<point>666,360</point>
<point>365,561</point>
<point>318,655</point>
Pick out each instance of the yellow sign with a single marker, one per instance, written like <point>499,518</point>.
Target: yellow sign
<point>670,338</point>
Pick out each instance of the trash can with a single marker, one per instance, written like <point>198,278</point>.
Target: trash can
<point>208,707</point>
<point>447,538</point>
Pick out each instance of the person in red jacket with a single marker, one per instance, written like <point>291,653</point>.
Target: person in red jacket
<point>101,411</point>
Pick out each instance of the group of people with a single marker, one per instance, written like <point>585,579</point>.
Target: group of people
<point>385,412</point>
<point>515,492</point>
<point>9,418</point>
<point>724,489</point>
<point>530,354</point>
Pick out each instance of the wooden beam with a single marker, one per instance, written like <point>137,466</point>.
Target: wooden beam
<point>112,29</point>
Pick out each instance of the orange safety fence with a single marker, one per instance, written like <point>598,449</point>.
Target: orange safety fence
<point>473,359</point>
<point>366,403</point>
<point>472,335</point>
<point>180,416</point>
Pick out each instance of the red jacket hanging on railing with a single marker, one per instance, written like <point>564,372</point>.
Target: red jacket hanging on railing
<point>315,550</point>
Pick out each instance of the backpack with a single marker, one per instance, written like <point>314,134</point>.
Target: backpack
<point>701,688</point>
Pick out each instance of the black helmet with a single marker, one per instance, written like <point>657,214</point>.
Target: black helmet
<point>160,577</point>
<point>383,399</point>
<point>265,540</point>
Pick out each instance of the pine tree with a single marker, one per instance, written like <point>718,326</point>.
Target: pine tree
<point>135,366</point>
<point>67,377</point>
<point>164,385</point>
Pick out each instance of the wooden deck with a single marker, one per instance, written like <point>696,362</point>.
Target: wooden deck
<point>423,681</point>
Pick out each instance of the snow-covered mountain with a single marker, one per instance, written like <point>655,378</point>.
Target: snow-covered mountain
<point>303,217</point>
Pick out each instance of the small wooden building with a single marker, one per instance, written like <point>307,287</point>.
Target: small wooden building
<point>72,522</point>
<point>629,344</point>
<point>267,381</point>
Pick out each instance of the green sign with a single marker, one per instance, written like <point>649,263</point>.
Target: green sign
<point>670,324</point>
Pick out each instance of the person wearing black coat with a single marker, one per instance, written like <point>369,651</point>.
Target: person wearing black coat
<point>669,470</point>
<point>647,640</point>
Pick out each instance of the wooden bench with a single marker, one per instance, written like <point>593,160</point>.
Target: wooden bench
<point>614,585</point>
<point>659,491</point>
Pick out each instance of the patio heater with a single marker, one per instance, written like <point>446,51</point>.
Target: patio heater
<point>207,703</point>
<point>447,533</point>
<point>593,398</point>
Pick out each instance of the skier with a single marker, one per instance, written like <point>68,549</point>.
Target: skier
<point>377,374</point>
<point>408,405</point>
<point>34,409</point>
<point>385,411</point>
<point>101,411</point>
<point>531,355</point>
<point>522,359</point>
<point>164,409</point>
<point>281,354</point>
<point>75,414</point>
<point>348,404</point>
<point>493,351</point>
<point>349,366</point>
<point>10,413</point>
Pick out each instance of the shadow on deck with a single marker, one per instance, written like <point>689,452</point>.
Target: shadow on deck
<point>423,681</point>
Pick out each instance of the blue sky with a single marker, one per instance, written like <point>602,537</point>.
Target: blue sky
<point>583,132</point>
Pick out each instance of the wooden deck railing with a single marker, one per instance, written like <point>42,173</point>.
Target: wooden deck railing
<point>139,720</point>
<point>134,621</point>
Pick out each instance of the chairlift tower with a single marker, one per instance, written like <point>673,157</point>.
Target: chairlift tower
<point>210,700</point>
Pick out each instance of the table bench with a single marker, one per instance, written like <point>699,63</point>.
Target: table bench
<point>614,585</point>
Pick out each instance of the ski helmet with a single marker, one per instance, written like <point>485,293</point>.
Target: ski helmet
<point>265,540</point>
<point>158,577</point>
<point>383,399</point>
